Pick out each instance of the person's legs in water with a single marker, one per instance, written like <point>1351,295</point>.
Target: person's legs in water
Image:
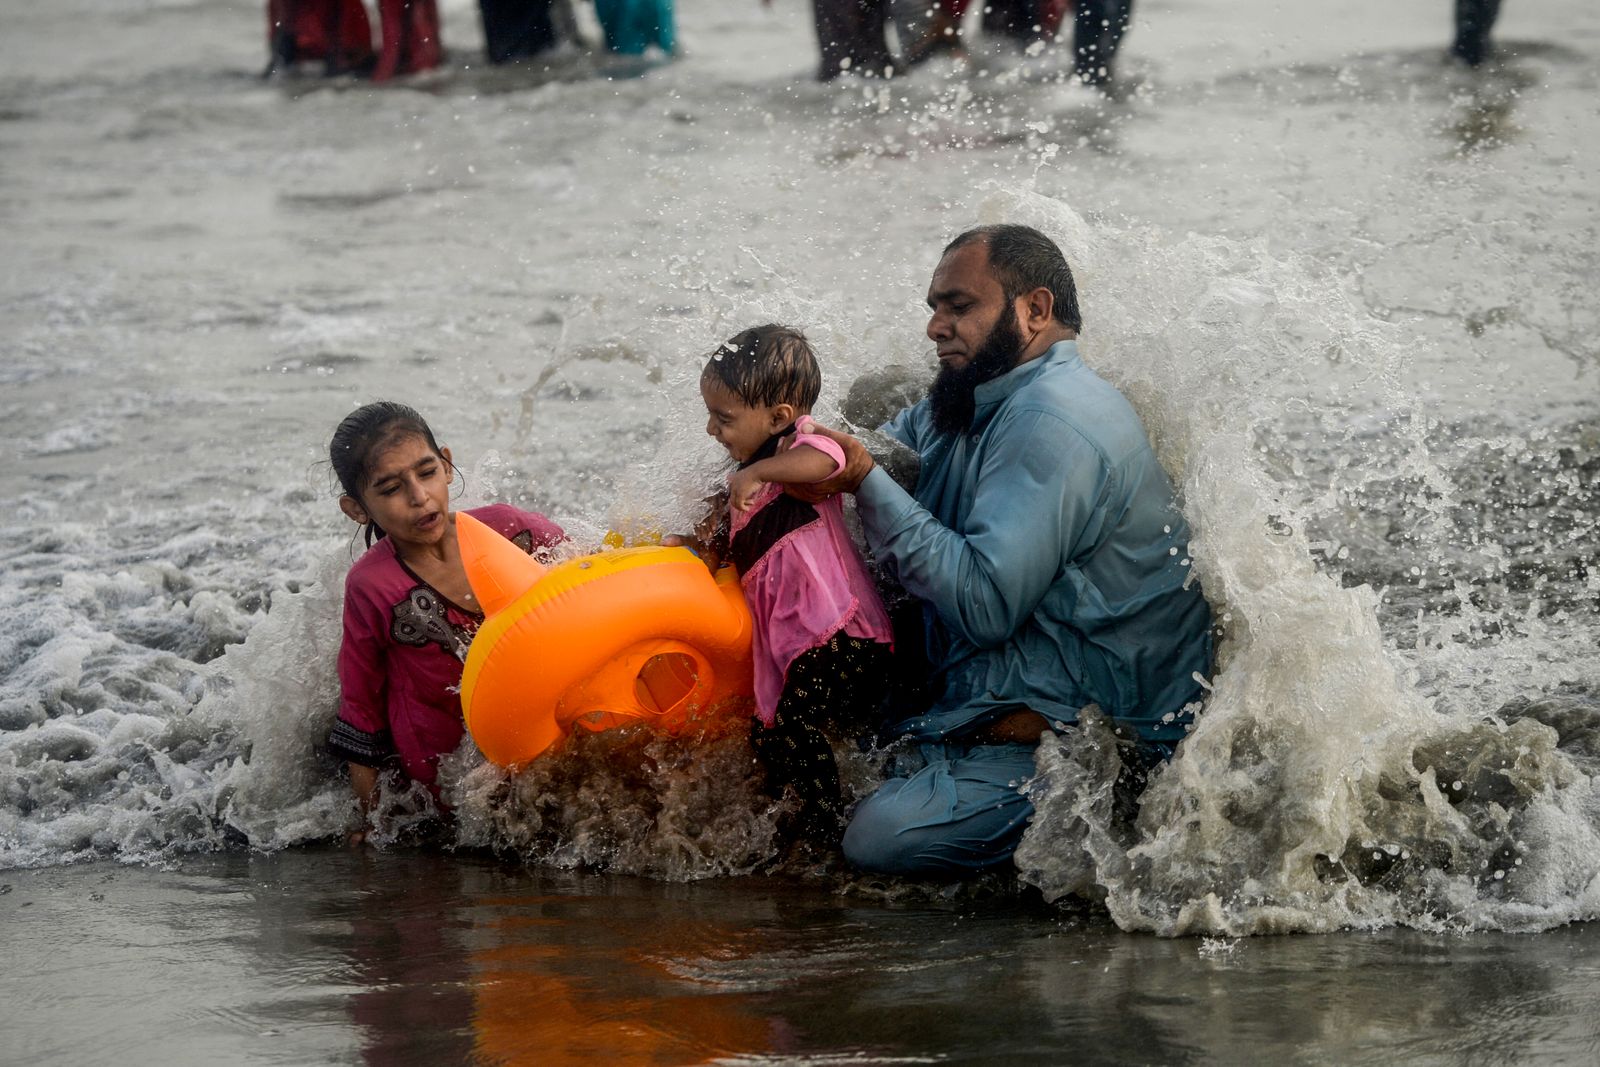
<point>936,29</point>
<point>1012,19</point>
<point>1474,20</point>
<point>516,29</point>
<point>851,37</point>
<point>564,23</point>
<point>349,38</point>
<point>961,814</point>
<point>631,26</point>
<point>964,812</point>
<point>334,31</point>
<point>1097,30</point>
<point>410,31</point>
<point>841,682</point>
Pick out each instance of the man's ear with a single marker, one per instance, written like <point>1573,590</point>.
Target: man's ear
<point>353,509</point>
<point>448,461</point>
<point>1038,309</point>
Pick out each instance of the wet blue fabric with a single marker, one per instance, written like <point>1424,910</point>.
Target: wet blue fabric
<point>1050,555</point>
<point>960,813</point>
<point>631,26</point>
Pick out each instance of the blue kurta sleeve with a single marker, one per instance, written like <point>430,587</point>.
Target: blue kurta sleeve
<point>1036,503</point>
<point>900,427</point>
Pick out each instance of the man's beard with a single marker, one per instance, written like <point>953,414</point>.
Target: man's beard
<point>950,397</point>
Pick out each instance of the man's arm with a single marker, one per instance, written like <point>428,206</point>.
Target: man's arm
<point>1033,503</point>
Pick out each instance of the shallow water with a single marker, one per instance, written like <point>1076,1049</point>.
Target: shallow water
<point>331,957</point>
<point>1350,290</point>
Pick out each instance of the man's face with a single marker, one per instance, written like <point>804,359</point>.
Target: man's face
<point>967,303</point>
<point>977,331</point>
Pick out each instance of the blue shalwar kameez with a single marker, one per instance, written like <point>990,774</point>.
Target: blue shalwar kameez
<point>1050,556</point>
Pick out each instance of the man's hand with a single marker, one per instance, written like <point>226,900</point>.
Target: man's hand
<point>858,463</point>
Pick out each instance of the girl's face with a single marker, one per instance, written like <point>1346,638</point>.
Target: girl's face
<point>737,426</point>
<point>407,492</point>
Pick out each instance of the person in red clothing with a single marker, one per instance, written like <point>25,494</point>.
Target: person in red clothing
<point>334,31</point>
<point>410,38</point>
<point>409,611</point>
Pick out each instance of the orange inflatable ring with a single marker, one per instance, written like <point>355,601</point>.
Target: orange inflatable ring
<point>636,635</point>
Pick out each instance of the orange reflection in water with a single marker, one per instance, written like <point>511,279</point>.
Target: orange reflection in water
<point>535,1006</point>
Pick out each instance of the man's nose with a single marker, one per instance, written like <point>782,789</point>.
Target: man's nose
<point>711,427</point>
<point>938,327</point>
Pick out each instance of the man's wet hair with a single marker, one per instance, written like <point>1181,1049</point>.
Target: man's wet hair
<point>767,365</point>
<point>1022,259</point>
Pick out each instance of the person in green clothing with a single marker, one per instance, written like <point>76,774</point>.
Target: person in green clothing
<point>631,26</point>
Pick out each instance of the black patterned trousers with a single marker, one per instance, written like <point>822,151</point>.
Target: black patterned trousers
<point>838,687</point>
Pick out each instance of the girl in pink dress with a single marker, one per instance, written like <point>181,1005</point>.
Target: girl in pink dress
<point>822,636</point>
<point>409,613</point>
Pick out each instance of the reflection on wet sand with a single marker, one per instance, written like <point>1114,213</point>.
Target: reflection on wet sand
<point>411,957</point>
<point>571,980</point>
<point>405,939</point>
<point>454,968</point>
<point>527,1011</point>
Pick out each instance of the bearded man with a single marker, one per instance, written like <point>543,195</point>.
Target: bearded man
<point>1045,543</point>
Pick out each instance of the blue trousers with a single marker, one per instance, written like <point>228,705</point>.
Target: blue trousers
<point>959,814</point>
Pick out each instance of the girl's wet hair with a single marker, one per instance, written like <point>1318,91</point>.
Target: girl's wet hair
<point>366,432</point>
<point>768,365</point>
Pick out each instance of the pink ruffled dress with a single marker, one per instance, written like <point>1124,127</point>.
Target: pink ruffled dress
<point>802,577</point>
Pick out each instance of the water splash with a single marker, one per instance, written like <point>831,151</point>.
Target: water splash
<point>1321,786</point>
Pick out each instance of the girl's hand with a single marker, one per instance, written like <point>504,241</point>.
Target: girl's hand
<point>743,487</point>
<point>364,783</point>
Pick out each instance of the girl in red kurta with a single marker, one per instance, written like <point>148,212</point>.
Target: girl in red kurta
<point>409,612</point>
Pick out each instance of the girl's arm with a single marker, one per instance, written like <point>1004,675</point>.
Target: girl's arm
<point>360,734</point>
<point>799,465</point>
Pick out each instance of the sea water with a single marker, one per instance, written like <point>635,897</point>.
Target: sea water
<point>1348,287</point>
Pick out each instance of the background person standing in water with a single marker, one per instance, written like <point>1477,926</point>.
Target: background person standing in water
<point>1045,543</point>
<point>409,612</point>
<point>1474,23</point>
